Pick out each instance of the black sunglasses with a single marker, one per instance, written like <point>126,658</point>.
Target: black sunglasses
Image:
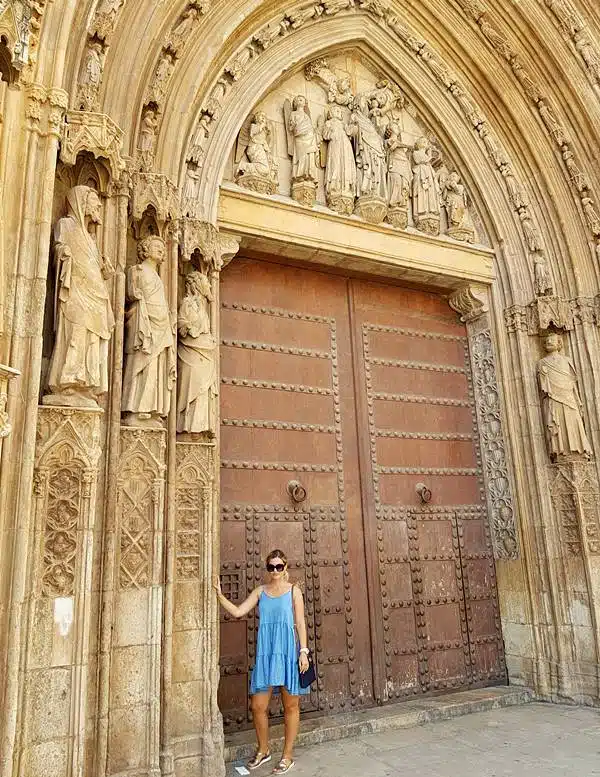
<point>275,567</point>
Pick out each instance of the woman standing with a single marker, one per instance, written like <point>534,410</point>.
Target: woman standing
<point>278,659</point>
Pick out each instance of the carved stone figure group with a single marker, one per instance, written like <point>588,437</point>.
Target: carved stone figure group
<point>369,169</point>
<point>78,373</point>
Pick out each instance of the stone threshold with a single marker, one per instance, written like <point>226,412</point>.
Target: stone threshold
<point>241,745</point>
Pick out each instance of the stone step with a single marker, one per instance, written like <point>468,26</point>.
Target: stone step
<point>241,745</point>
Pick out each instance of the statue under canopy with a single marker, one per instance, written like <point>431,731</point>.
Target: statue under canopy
<point>561,403</point>
<point>149,342</point>
<point>83,315</point>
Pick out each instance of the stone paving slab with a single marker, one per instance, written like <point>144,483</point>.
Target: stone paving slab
<point>532,740</point>
<point>241,745</point>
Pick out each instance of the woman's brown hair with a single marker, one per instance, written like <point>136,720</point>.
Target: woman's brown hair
<point>277,554</point>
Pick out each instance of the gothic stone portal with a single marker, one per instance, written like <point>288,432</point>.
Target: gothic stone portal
<point>362,392</point>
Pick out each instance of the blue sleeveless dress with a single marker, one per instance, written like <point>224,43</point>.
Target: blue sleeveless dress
<point>277,651</point>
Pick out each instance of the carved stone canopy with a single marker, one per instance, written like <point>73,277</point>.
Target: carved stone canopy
<point>157,191</point>
<point>215,249</point>
<point>93,132</point>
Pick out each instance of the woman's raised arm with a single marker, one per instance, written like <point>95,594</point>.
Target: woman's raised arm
<point>238,611</point>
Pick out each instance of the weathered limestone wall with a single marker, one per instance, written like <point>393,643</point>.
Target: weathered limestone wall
<point>109,523</point>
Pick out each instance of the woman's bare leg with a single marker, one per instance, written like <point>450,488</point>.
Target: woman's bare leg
<point>260,716</point>
<point>291,720</point>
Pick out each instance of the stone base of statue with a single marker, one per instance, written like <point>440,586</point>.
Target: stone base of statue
<point>71,398</point>
<point>429,224</point>
<point>466,234</point>
<point>397,216</point>
<point>371,209</point>
<point>143,420</point>
<point>340,203</point>
<point>262,184</point>
<point>304,192</point>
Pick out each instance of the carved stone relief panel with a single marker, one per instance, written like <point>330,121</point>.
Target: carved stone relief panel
<point>343,136</point>
<point>576,500</point>
<point>64,502</point>
<point>140,504</point>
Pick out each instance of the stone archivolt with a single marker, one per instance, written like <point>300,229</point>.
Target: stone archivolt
<point>161,483</point>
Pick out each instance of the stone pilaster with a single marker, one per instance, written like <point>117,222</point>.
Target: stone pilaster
<point>59,612</point>
<point>135,682</point>
<point>472,305</point>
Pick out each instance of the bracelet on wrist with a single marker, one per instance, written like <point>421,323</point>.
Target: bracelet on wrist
<point>304,650</point>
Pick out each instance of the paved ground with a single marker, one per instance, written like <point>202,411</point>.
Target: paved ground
<point>533,740</point>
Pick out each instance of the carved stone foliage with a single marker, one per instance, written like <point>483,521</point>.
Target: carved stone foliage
<point>215,249</point>
<point>140,503</point>
<point>489,412</point>
<point>67,453</point>
<point>193,504</point>
<point>94,132</point>
<point>470,302</point>
<point>575,493</point>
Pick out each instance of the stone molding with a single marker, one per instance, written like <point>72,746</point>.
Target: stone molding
<point>93,132</point>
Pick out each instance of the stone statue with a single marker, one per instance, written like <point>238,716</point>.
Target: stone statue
<point>149,125</point>
<point>371,164</point>
<point>257,168</point>
<point>149,343</point>
<point>83,314</point>
<point>91,74</point>
<point>340,167</point>
<point>426,196</point>
<point>183,28</point>
<point>454,197</point>
<point>191,189</point>
<point>399,177</point>
<point>199,140</point>
<point>541,276</point>
<point>303,148</point>
<point>196,356</point>
<point>561,403</point>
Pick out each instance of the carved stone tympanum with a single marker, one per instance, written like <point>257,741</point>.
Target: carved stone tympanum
<point>83,314</point>
<point>370,162</point>
<point>150,358</point>
<point>196,355</point>
<point>561,403</point>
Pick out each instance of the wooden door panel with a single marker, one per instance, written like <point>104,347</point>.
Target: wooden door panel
<point>288,413</point>
<point>361,391</point>
<point>422,429</point>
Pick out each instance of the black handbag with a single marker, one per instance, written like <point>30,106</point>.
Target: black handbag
<point>310,676</point>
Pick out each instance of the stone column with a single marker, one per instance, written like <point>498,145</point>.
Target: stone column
<point>197,727</point>
<point>32,124</point>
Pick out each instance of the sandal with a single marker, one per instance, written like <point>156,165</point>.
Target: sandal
<point>283,766</point>
<point>258,760</point>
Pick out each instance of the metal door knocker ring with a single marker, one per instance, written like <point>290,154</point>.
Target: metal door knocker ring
<point>423,492</point>
<point>296,490</point>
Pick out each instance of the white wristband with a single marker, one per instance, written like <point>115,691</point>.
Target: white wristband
<point>304,650</point>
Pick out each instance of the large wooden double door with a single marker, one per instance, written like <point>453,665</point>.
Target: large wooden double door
<point>361,392</point>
